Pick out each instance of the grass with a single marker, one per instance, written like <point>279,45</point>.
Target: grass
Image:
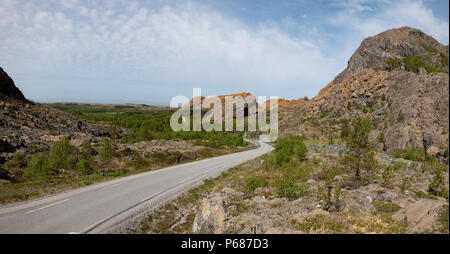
<point>385,207</point>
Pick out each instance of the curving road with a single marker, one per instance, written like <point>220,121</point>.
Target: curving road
<point>84,209</point>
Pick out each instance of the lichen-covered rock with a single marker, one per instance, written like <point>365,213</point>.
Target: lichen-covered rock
<point>422,215</point>
<point>213,216</point>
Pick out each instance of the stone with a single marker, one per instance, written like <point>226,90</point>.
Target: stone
<point>421,215</point>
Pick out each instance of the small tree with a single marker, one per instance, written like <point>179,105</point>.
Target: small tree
<point>362,153</point>
<point>387,175</point>
<point>106,150</point>
<point>329,174</point>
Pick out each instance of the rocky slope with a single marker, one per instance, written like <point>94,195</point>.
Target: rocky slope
<point>398,79</point>
<point>8,88</point>
<point>30,127</point>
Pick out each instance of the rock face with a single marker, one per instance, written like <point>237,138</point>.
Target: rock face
<point>405,97</point>
<point>391,44</point>
<point>7,87</point>
<point>212,219</point>
<point>422,215</point>
<point>30,127</point>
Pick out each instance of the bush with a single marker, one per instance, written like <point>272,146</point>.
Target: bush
<point>106,150</point>
<point>159,157</point>
<point>63,155</point>
<point>18,161</point>
<point>286,187</point>
<point>387,175</point>
<point>84,167</point>
<point>286,147</point>
<point>362,151</point>
<point>437,185</point>
<point>37,166</point>
<point>386,207</point>
<point>253,183</point>
<point>300,151</point>
<point>87,151</point>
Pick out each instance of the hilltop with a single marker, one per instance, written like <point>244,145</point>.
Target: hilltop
<point>399,80</point>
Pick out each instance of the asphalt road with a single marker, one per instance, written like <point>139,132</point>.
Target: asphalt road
<point>79,210</point>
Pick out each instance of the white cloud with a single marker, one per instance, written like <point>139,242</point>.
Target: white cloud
<point>182,45</point>
<point>122,48</point>
<point>392,14</point>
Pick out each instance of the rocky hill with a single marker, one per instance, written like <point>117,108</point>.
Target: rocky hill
<point>30,127</point>
<point>8,88</point>
<point>399,80</point>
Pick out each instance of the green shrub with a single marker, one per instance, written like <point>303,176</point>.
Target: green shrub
<point>106,151</point>
<point>286,187</point>
<point>253,183</point>
<point>387,176</point>
<point>18,161</point>
<point>37,166</point>
<point>444,220</point>
<point>159,157</point>
<point>362,152</point>
<point>286,147</point>
<point>84,167</point>
<point>386,207</point>
<point>300,151</point>
<point>87,151</point>
<point>437,185</point>
<point>397,153</point>
<point>63,155</point>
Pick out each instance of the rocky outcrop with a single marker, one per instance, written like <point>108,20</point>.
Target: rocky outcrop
<point>30,127</point>
<point>422,215</point>
<point>391,44</point>
<point>406,99</point>
<point>8,88</point>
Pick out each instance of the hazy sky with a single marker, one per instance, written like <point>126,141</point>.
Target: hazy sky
<point>149,51</point>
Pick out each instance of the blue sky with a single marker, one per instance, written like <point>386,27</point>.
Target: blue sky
<point>149,51</point>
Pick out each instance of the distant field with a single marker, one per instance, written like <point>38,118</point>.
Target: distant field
<point>146,125</point>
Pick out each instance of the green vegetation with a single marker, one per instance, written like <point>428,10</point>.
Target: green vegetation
<point>330,198</point>
<point>412,154</point>
<point>345,128</point>
<point>291,146</point>
<point>37,166</point>
<point>393,62</point>
<point>429,49</point>
<point>417,62</point>
<point>254,182</point>
<point>362,153</point>
<point>146,125</point>
<point>387,176</point>
<point>444,221</point>
<point>437,185</point>
<point>386,207</point>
